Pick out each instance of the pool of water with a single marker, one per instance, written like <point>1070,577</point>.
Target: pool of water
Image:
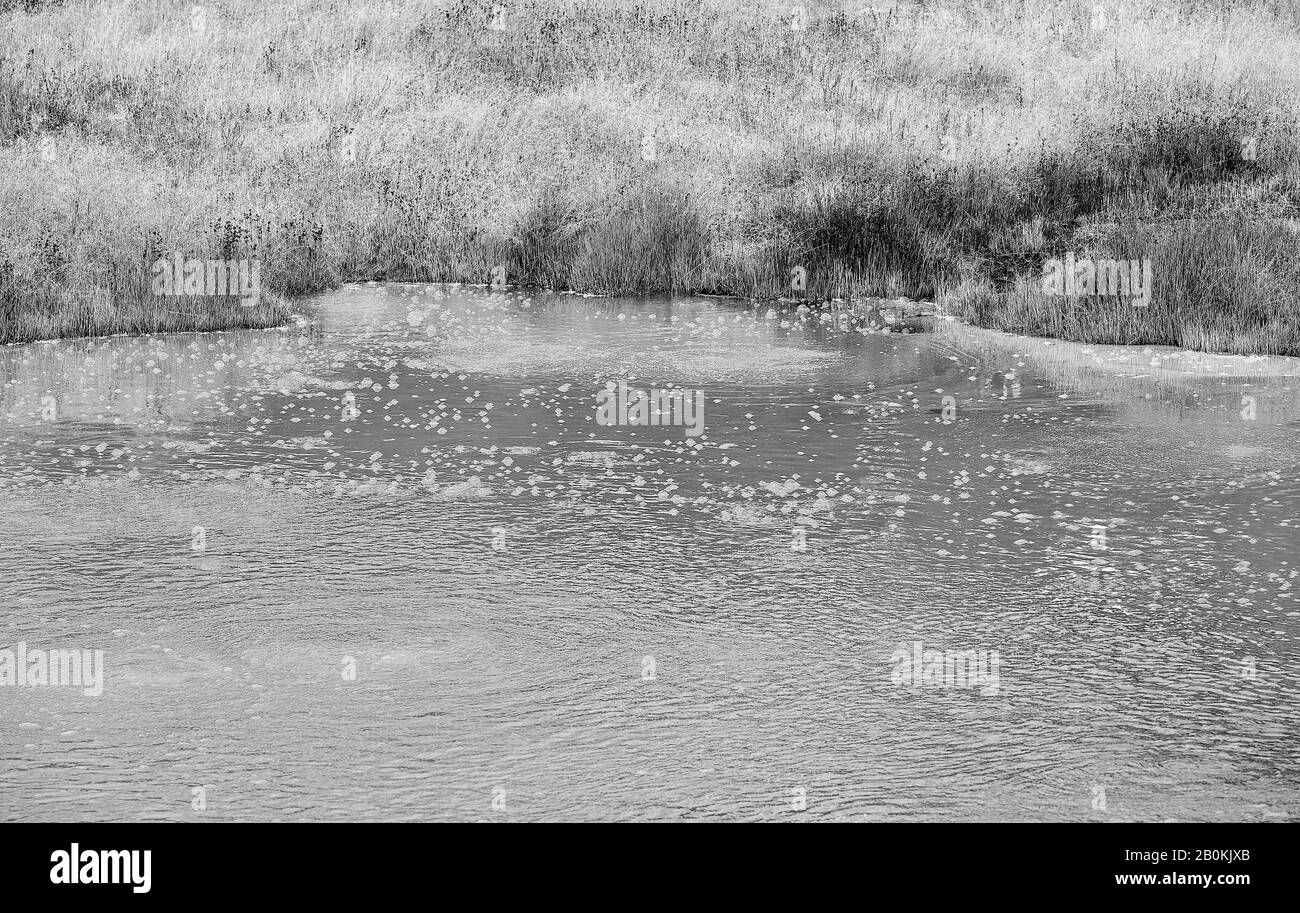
<point>384,563</point>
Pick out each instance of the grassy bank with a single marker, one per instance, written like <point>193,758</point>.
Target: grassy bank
<point>936,150</point>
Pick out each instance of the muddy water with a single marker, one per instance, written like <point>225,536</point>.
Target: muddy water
<point>468,600</point>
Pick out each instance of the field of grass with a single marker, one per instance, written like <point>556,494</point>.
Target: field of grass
<point>940,150</point>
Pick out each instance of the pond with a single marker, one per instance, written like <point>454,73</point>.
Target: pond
<point>385,563</point>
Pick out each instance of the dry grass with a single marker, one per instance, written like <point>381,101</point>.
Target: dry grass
<point>942,149</point>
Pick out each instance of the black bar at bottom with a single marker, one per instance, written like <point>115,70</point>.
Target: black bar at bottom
<point>337,863</point>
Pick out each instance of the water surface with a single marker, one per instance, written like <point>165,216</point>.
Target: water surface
<point>549,618</point>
